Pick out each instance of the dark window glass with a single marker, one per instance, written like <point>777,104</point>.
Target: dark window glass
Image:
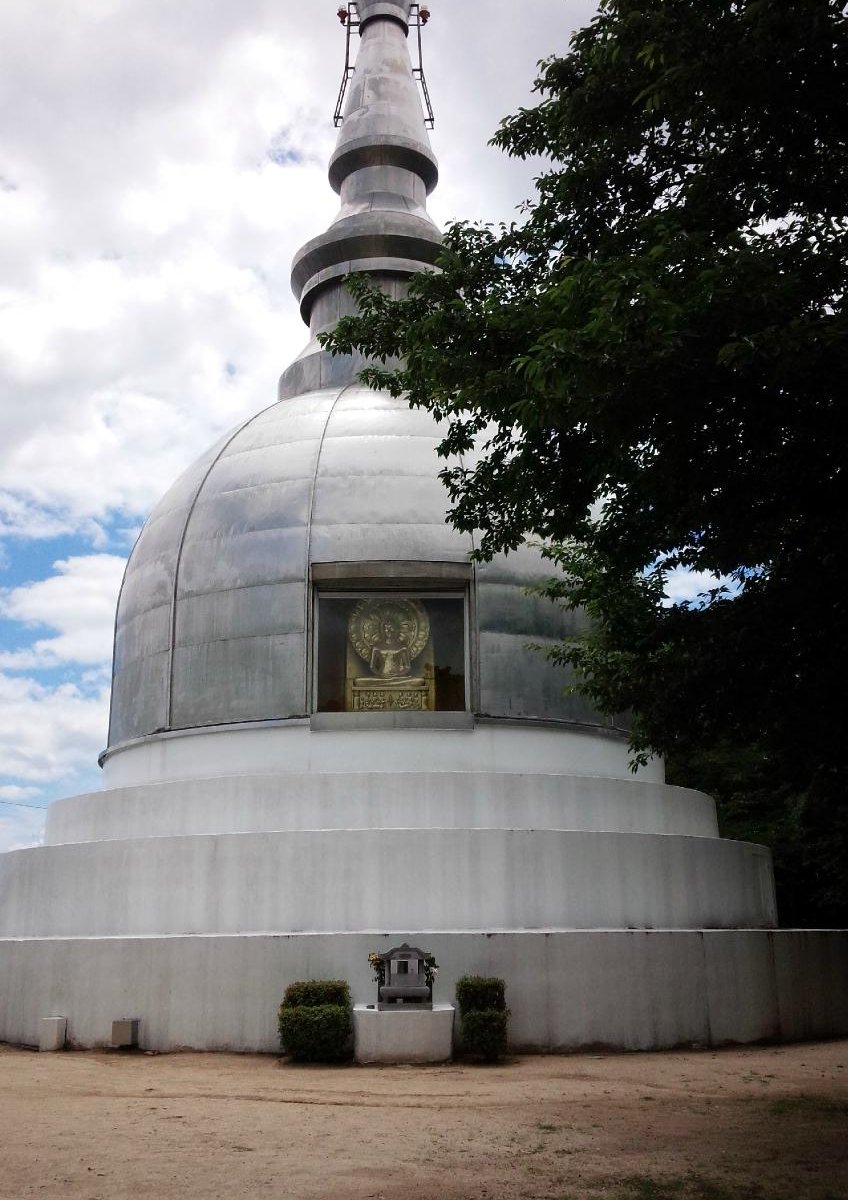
<point>385,652</point>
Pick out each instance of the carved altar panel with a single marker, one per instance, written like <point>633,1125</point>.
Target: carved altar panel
<point>389,656</point>
<point>390,652</point>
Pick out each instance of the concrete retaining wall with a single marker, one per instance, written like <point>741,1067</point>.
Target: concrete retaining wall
<point>628,990</point>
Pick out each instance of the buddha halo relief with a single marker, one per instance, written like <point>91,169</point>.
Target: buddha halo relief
<point>389,634</point>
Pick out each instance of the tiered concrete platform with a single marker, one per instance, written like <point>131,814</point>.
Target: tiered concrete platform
<point>268,854</point>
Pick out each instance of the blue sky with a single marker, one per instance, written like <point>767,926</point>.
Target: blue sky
<point>160,164</point>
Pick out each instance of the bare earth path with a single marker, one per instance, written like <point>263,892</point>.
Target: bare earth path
<point>768,1123</point>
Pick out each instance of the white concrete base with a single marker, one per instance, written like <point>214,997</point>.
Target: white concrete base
<point>52,1032</point>
<point>222,866</point>
<point>403,1036</point>
<point>567,989</point>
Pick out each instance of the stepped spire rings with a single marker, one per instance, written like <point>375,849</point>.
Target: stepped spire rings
<point>389,635</point>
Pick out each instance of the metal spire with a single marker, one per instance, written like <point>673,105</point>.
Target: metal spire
<point>382,167</point>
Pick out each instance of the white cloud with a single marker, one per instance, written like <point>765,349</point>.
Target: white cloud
<point>17,795</point>
<point>78,602</point>
<point>683,586</point>
<point>145,240</point>
<point>147,226</point>
<point>48,733</point>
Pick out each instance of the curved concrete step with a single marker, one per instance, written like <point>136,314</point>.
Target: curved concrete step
<point>361,879</point>
<point>252,803</point>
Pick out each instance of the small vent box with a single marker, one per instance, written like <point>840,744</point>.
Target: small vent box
<point>125,1032</point>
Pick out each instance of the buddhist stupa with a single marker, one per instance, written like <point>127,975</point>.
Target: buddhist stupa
<point>330,734</point>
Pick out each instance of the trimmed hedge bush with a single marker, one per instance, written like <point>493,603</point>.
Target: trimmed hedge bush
<point>316,1033</point>
<point>483,1015</point>
<point>315,1021</point>
<point>477,993</point>
<point>483,1032</point>
<point>310,993</point>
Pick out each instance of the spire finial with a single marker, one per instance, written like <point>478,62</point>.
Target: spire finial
<point>383,167</point>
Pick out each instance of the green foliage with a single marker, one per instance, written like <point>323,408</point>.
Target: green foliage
<point>479,992</point>
<point>483,1015</point>
<point>314,1020</point>
<point>314,992</point>
<point>484,1032</point>
<point>806,829</point>
<point>316,1033</point>
<point>651,365</point>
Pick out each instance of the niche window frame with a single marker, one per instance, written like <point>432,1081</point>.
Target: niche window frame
<point>413,580</point>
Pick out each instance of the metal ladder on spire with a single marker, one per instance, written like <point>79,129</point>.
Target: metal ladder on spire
<point>419,15</point>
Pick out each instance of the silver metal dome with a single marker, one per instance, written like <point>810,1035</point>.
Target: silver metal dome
<point>215,618</point>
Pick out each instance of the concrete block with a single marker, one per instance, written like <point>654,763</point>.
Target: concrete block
<point>125,1032</point>
<point>403,1035</point>
<point>52,1032</point>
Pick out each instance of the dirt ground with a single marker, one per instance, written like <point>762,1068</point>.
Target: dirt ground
<point>768,1123</point>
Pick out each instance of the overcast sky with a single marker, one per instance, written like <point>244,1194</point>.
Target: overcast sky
<point>160,163</point>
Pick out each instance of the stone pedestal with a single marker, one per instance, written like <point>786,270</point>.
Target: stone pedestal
<point>403,1035</point>
<point>52,1032</point>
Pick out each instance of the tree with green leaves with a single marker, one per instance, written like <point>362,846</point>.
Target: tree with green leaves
<point>649,367</point>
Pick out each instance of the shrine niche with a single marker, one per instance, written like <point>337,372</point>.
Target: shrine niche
<point>390,653</point>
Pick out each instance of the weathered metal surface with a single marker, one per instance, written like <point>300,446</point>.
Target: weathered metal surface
<point>245,679</point>
<point>383,119</point>
<point>336,476</point>
<point>397,9</point>
<point>383,168</point>
<point>139,697</point>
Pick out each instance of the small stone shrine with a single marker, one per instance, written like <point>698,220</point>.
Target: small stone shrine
<point>406,980</point>
<point>404,1026</point>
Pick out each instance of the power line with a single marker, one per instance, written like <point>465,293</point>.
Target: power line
<point>20,804</point>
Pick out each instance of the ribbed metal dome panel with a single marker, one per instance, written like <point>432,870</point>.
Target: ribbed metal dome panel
<point>212,618</point>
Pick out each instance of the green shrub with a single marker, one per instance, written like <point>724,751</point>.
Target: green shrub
<point>315,1021</point>
<point>483,1032</point>
<point>483,1015</point>
<point>316,1033</point>
<point>311,993</point>
<point>476,993</point>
